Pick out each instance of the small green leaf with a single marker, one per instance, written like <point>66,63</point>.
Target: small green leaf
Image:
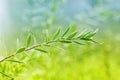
<point>66,41</point>
<point>41,50</point>
<point>90,35</point>
<point>83,35</point>
<point>72,35</point>
<point>15,61</point>
<point>66,31</point>
<point>78,43</point>
<point>28,41</point>
<point>20,50</point>
<point>56,34</point>
<point>87,39</point>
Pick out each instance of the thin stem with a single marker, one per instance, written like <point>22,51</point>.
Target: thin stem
<point>35,46</point>
<point>28,49</point>
<point>7,57</point>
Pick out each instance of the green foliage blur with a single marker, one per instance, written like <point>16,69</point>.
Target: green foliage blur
<point>91,61</point>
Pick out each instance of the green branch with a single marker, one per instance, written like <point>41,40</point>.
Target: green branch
<point>66,37</point>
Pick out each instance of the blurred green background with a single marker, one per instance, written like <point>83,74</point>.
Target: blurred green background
<point>64,62</point>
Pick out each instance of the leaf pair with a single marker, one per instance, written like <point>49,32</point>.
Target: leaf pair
<point>66,31</point>
<point>87,35</point>
<point>91,34</point>
<point>64,34</point>
<point>70,36</point>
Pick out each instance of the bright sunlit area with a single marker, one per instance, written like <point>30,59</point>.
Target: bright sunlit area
<point>4,15</point>
<point>3,24</point>
<point>59,39</point>
<point>2,12</point>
